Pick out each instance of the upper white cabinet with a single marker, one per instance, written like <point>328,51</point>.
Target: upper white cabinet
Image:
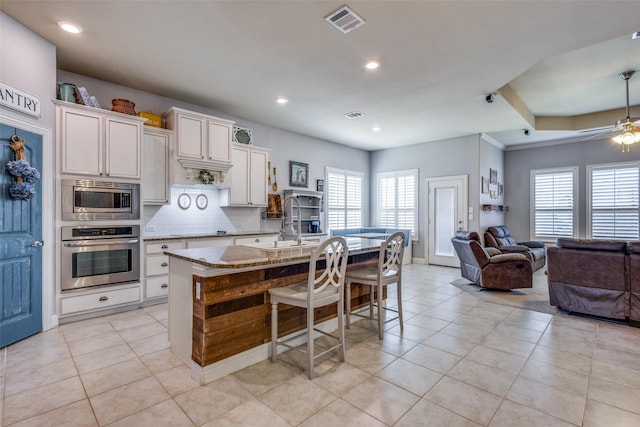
<point>99,142</point>
<point>155,166</point>
<point>248,176</point>
<point>202,141</point>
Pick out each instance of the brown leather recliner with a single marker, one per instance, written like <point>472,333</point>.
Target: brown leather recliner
<point>488,267</point>
<point>499,237</point>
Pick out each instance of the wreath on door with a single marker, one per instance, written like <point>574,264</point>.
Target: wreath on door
<point>25,175</point>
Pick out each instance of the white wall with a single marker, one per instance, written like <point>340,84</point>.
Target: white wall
<point>28,62</point>
<point>456,156</point>
<point>519,163</point>
<point>491,157</point>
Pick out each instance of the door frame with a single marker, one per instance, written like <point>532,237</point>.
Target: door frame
<point>49,316</point>
<point>463,215</point>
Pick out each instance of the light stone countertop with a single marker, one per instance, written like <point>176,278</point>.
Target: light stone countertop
<point>242,256</point>
<point>180,236</point>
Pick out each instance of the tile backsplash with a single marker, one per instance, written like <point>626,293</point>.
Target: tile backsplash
<point>171,219</point>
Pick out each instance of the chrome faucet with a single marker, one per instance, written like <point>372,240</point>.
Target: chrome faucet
<point>284,223</point>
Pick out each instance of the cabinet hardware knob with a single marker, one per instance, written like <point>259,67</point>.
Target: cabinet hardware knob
<point>164,246</point>
<point>164,285</point>
<point>104,298</point>
<point>257,240</point>
<point>164,264</point>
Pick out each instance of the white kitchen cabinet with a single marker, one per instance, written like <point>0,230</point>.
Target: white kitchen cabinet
<point>209,243</point>
<point>262,238</point>
<point>156,281</point>
<point>98,142</point>
<point>155,166</point>
<point>99,298</point>
<point>202,143</point>
<point>248,176</point>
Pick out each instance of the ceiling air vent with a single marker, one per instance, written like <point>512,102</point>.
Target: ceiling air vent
<point>354,115</point>
<point>344,19</point>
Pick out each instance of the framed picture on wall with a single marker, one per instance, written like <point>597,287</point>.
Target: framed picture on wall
<point>493,176</point>
<point>485,185</point>
<point>298,174</point>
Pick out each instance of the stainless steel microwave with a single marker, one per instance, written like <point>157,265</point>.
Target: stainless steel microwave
<point>92,200</point>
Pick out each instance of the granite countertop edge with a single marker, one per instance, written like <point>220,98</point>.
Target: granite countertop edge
<point>207,236</point>
<point>229,257</point>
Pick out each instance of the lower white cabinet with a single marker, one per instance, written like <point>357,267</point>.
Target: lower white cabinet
<point>208,243</point>
<point>99,299</point>
<point>156,272</point>
<point>262,238</point>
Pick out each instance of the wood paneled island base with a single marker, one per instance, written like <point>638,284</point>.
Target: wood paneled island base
<point>220,313</point>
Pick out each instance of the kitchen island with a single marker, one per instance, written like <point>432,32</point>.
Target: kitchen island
<point>219,309</point>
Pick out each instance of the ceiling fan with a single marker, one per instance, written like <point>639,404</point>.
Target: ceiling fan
<point>628,132</point>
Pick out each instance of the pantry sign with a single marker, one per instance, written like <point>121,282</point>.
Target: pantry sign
<point>19,100</point>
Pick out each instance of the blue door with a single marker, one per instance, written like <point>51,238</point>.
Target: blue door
<point>20,245</point>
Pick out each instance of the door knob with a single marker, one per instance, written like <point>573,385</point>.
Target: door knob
<point>37,243</point>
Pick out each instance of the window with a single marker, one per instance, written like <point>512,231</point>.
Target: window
<point>344,199</point>
<point>397,200</point>
<point>613,201</point>
<point>554,203</point>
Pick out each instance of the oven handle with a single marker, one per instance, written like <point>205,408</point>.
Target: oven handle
<point>101,243</point>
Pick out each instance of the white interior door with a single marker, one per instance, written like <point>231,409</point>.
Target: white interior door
<point>447,199</point>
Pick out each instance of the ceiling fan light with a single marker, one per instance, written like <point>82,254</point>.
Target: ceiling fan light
<point>627,138</point>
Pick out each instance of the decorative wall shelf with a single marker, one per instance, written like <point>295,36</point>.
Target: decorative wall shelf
<point>496,208</point>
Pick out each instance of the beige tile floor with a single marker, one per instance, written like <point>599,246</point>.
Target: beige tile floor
<point>461,361</point>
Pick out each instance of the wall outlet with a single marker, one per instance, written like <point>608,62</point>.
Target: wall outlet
<point>150,228</point>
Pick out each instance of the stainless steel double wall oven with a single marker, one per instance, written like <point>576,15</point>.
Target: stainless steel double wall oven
<point>93,254</point>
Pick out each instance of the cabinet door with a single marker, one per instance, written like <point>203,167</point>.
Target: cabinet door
<point>155,168</point>
<point>191,135</point>
<point>209,243</point>
<point>123,148</point>
<point>81,140</point>
<point>239,191</point>
<point>258,178</point>
<point>219,142</point>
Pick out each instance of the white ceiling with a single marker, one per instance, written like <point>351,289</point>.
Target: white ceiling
<point>439,61</point>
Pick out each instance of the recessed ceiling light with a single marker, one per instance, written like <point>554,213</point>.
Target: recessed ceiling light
<point>282,100</point>
<point>70,27</point>
<point>372,65</point>
<point>376,128</point>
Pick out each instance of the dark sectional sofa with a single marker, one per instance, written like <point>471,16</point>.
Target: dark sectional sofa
<point>595,277</point>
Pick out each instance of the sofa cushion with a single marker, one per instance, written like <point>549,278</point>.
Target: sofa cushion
<point>592,245</point>
<point>499,231</point>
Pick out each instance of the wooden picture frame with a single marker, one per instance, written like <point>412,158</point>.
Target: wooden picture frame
<point>298,174</point>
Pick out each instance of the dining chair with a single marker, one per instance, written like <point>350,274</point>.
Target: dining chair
<point>388,271</point>
<point>320,289</point>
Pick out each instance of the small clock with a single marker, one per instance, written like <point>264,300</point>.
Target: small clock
<point>184,201</point>
<point>202,202</point>
<point>242,135</point>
